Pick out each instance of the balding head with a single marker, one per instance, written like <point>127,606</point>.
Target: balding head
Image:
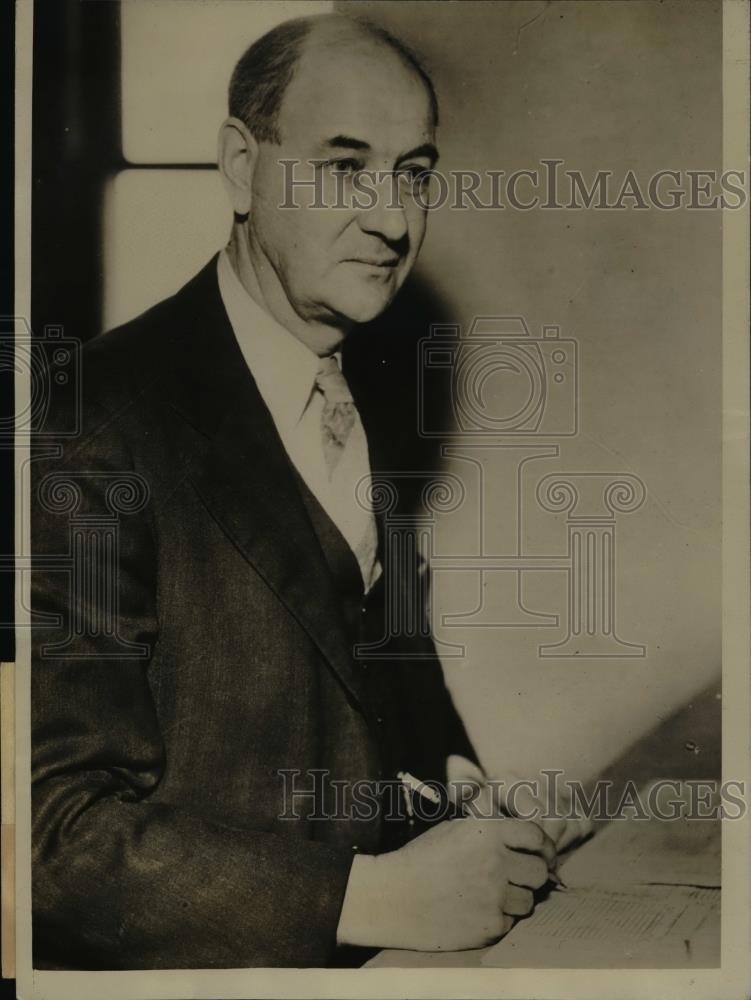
<point>338,102</point>
<point>262,75</point>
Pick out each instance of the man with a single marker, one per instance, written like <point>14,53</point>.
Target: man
<point>246,573</point>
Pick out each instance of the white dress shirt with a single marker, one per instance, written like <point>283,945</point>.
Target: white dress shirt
<point>285,370</point>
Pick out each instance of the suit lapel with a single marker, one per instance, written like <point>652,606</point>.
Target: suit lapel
<point>239,467</point>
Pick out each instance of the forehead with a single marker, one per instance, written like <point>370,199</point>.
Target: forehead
<point>357,88</point>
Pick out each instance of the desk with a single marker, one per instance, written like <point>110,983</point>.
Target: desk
<point>685,746</point>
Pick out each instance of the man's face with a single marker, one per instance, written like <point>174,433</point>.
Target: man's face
<point>357,108</point>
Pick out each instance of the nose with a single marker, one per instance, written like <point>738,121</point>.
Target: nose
<point>387,218</point>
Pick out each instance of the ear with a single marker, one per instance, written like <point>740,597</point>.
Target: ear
<point>237,156</point>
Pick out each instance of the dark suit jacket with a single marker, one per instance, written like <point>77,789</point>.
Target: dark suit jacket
<point>157,840</point>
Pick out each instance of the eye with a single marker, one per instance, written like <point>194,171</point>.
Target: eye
<point>345,165</point>
<point>415,175</point>
<point>412,171</point>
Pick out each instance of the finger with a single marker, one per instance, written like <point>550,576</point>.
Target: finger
<point>528,836</point>
<point>527,870</point>
<point>521,834</point>
<point>576,829</point>
<point>570,835</point>
<point>563,796</point>
<point>518,902</point>
<point>458,768</point>
<point>555,829</point>
<point>483,805</point>
<point>518,800</point>
<point>472,798</point>
<point>586,826</point>
<point>508,923</point>
<point>549,853</point>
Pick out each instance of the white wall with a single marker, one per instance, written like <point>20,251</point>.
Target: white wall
<point>612,85</point>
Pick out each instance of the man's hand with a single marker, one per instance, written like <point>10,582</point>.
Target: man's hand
<point>457,886</point>
<point>514,797</point>
<point>563,829</point>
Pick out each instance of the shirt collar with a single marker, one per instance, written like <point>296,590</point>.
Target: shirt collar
<point>283,367</point>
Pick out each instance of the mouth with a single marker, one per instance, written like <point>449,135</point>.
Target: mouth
<point>388,263</point>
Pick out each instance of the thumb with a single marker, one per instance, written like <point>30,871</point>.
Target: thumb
<point>467,787</point>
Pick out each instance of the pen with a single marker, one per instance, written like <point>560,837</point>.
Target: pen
<point>414,784</point>
<point>411,784</point>
<point>557,881</point>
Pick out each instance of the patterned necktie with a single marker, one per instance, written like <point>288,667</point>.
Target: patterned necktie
<point>338,415</point>
<point>338,419</point>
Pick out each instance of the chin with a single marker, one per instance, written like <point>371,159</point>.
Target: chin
<point>365,306</point>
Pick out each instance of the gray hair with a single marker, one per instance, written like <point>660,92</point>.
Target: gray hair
<point>263,73</point>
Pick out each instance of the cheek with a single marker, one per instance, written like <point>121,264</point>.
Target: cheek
<point>283,229</point>
<point>290,238</point>
<point>314,233</point>
<point>417,220</point>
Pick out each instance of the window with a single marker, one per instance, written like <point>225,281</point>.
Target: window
<point>165,212</point>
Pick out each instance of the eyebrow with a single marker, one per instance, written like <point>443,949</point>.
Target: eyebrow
<point>427,149</point>
<point>346,142</point>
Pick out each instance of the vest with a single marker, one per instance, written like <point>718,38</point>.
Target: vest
<point>363,616</point>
